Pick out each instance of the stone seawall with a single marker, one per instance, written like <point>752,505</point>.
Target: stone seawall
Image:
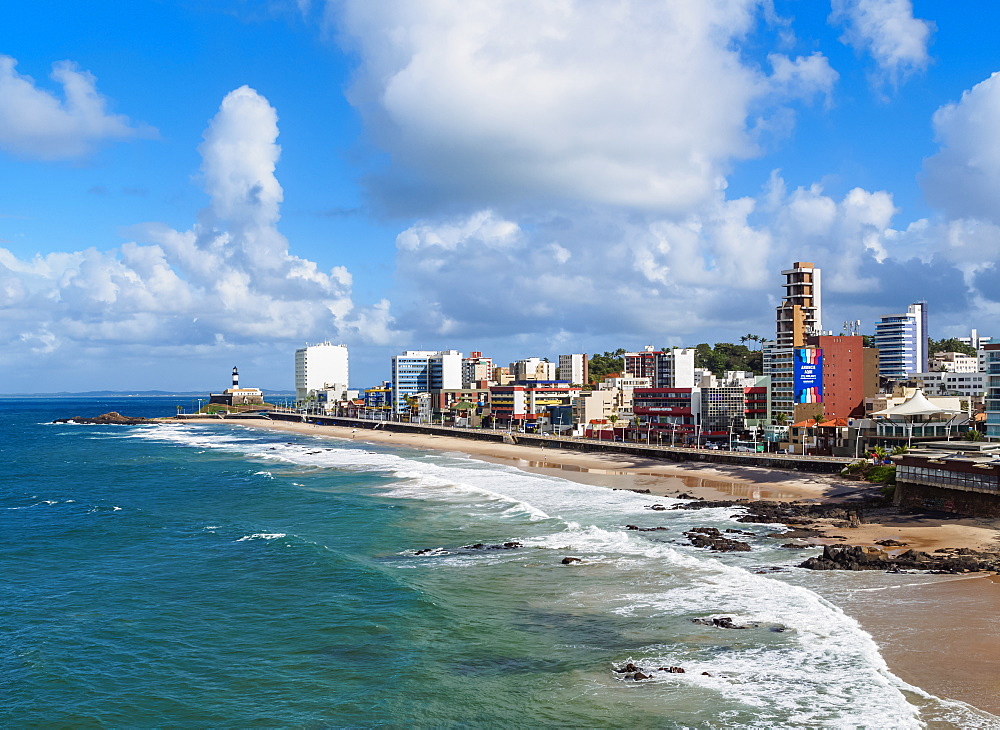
<point>942,499</point>
<point>786,462</point>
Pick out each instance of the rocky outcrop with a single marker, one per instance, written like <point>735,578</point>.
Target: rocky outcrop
<point>710,537</point>
<point>849,557</point>
<point>114,418</point>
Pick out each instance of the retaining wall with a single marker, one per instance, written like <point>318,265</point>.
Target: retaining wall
<point>942,499</point>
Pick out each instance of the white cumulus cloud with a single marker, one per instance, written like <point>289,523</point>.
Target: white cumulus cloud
<point>887,30</point>
<point>638,104</point>
<point>963,178</point>
<point>38,124</point>
<point>229,279</point>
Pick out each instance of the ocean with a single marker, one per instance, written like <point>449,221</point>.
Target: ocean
<point>221,575</point>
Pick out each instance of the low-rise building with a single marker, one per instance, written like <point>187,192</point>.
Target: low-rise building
<point>526,401</point>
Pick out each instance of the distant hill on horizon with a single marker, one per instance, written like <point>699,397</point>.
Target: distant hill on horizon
<point>134,394</point>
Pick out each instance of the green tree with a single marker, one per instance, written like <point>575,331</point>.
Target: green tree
<point>600,366</point>
<point>973,435</point>
<point>949,345</point>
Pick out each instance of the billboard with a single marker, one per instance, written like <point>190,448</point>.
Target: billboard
<point>808,364</point>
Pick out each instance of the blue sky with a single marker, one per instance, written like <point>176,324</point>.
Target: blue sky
<point>191,185</point>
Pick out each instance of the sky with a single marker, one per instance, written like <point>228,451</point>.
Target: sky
<point>186,185</point>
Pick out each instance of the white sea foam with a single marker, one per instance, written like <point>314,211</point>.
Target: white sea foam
<point>823,670</point>
<point>262,536</point>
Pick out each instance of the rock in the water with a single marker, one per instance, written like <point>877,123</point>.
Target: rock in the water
<point>114,418</point>
<point>710,537</point>
<point>851,557</point>
<point>568,561</point>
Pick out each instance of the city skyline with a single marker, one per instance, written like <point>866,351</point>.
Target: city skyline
<point>224,183</point>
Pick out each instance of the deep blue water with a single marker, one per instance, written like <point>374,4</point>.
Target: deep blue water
<point>223,575</point>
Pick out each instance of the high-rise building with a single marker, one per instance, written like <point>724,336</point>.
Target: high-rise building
<point>318,367</point>
<point>420,371</point>
<point>800,312</point>
<point>641,364</point>
<point>675,368</point>
<point>799,316</point>
<point>850,374</point>
<point>901,340</point>
<point>573,369</point>
<point>476,368</point>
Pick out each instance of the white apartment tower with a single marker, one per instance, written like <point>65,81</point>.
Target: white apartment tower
<point>573,369</point>
<point>675,368</point>
<point>318,367</point>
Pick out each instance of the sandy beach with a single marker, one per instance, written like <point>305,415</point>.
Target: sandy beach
<point>940,634</point>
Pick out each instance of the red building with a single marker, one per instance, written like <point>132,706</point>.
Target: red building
<point>850,374</point>
<point>641,364</point>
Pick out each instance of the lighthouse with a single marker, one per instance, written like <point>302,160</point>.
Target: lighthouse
<point>236,378</point>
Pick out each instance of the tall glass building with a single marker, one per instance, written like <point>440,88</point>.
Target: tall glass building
<point>901,340</point>
<point>421,371</point>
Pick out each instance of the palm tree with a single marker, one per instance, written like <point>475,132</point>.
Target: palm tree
<point>973,435</point>
<point>780,419</point>
<point>880,454</point>
<point>898,450</point>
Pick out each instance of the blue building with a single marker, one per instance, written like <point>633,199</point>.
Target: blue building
<point>901,340</point>
<point>421,371</point>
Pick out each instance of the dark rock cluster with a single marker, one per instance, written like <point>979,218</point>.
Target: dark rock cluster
<point>788,513</point>
<point>710,537</point>
<point>632,671</point>
<point>476,546</point>
<point>848,557</point>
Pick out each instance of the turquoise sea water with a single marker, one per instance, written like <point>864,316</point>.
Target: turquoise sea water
<point>222,575</point>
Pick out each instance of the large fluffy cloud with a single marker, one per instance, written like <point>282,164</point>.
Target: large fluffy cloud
<point>229,279</point>
<point>888,31</point>
<point>613,276</point>
<point>569,163</point>
<point>36,123</point>
<point>963,178</point>
<point>634,104</point>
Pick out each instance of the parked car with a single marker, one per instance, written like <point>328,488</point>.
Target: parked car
<point>745,448</point>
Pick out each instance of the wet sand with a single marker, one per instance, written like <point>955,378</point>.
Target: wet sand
<point>939,634</point>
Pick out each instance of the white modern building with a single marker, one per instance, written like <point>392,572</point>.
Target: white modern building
<point>953,362</point>
<point>420,371</point>
<point>320,367</point>
<point>532,368</point>
<point>901,340</point>
<point>675,368</point>
<point>967,384</point>
<point>573,369</point>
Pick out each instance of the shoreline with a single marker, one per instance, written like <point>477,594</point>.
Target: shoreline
<point>958,663</point>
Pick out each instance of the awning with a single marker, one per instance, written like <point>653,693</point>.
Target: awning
<point>916,405</point>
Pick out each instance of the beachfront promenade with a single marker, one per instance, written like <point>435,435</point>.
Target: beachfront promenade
<point>789,462</point>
